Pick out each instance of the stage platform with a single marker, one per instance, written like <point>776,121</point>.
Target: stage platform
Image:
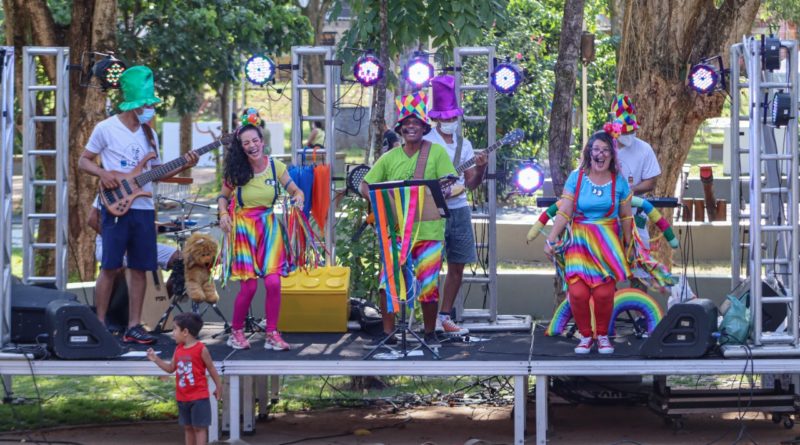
<point>509,354</point>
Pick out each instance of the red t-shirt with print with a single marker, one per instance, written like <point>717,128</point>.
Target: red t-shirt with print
<point>190,373</point>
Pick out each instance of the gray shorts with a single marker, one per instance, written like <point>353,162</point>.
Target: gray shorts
<point>196,413</point>
<point>459,241</point>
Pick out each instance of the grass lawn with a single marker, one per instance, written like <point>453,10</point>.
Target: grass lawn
<point>698,154</point>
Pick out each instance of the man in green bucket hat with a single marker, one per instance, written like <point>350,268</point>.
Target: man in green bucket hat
<point>123,142</point>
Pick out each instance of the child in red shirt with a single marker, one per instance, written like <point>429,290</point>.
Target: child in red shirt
<point>190,362</point>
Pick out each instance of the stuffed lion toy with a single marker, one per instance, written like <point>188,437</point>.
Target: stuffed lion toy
<point>198,259</point>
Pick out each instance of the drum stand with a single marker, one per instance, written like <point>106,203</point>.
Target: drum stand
<point>180,237</point>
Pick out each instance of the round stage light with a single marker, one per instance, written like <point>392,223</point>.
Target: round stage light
<point>368,70</point>
<point>703,78</point>
<point>506,78</point>
<point>108,72</point>
<point>781,110</point>
<point>529,178</point>
<point>259,70</point>
<point>418,72</point>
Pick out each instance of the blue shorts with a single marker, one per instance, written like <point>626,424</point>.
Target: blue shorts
<point>134,234</point>
<point>196,413</point>
<point>459,241</point>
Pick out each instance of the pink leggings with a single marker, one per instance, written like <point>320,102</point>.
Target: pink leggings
<point>272,303</point>
<point>603,295</point>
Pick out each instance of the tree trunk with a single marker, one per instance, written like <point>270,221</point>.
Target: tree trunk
<point>379,93</point>
<point>617,10</point>
<point>185,134</point>
<point>227,126</point>
<point>560,132</point>
<point>660,41</point>
<point>316,11</point>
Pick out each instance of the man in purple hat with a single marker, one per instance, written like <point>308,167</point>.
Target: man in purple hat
<point>459,241</point>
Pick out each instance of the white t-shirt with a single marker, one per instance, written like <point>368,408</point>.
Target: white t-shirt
<point>121,150</point>
<point>637,163</point>
<point>467,153</point>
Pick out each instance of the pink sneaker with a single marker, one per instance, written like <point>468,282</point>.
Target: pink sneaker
<point>604,345</point>
<point>585,346</point>
<point>237,340</point>
<point>274,341</point>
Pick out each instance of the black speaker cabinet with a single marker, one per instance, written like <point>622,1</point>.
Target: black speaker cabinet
<point>28,304</point>
<point>685,332</point>
<point>76,333</point>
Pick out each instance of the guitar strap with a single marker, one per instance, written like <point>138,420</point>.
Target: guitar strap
<point>459,145</point>
<point>150,134</point>
<point>422,160</point>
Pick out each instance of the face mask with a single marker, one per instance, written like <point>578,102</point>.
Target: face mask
<point>448,127</point>
<point>147,115</point>
<point>625,140</point>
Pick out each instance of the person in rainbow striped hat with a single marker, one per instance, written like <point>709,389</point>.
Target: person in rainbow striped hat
<point>596,205</point>
<point>637,160</point>
<point>416,159</point>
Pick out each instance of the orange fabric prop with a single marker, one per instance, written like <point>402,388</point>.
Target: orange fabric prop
<point>321,201</point>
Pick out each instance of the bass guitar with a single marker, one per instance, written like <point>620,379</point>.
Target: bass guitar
<point>118,201</point>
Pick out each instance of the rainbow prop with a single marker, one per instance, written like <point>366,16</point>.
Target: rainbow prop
<point>626,299</point>
<point>396,211</point>
<point>653,215</point>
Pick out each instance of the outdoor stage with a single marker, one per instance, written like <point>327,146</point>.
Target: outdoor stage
<point>519,355</point>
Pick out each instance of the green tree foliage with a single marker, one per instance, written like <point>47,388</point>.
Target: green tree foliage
<point>363,256</point>
<point>191,43</point>
<point>778,10</point>
<point>531,31</point>
<point>413,22</point>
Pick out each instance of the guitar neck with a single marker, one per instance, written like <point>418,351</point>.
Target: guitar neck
<point>163,169</point>
<point>461,168</point>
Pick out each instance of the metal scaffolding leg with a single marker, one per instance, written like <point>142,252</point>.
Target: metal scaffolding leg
<point>772,252</point>
<point>32,179</point>
<point>485,319</point>
<point>328,89</point>
<point>6,185</point>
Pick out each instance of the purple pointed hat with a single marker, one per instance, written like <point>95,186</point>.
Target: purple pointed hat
<point>445,103</point>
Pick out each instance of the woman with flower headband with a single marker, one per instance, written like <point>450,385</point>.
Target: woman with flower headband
<point>255,246</point>
<point>596,205</point>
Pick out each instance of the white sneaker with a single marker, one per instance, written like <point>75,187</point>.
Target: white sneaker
<point>449,327</point>
<point>585,346</point>
<point>604,345</point>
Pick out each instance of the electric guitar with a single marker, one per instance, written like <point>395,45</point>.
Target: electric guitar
<point>356,175</point>
<point>118,201</point>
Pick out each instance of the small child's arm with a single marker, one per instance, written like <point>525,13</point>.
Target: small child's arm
<point>168,367</point>
<point>213,371</point>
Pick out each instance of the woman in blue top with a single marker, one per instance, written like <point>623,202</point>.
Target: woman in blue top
<point>597,203</point>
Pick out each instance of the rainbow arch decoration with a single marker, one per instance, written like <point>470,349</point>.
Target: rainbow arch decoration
<point>653,215</point>
<point>626,299</point>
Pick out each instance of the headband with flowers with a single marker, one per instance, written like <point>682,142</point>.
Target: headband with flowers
<point>613,129</point>
<point>250,116</point>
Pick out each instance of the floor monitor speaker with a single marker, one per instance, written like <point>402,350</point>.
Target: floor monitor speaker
<point>687,331</point>
<point>28,304</point>
<point>74,332</point>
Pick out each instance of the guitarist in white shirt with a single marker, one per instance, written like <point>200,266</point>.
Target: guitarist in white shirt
<point>122,141</point>
<point>459,241</point>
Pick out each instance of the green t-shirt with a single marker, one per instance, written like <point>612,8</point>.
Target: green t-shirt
<point>395,165</point>
<point>260,191</point>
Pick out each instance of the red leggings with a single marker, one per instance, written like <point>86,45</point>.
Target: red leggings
<point>580,294</point>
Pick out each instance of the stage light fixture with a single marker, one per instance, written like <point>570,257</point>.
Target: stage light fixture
<point>781,112</point>
<point>108,71</point>
<point>506,78</point>
<point>259,69</point>
<point>771,53</point>
<point>529,178</point>
<point>368,70</point>
<point>418,71</point>
<point>703,78</point>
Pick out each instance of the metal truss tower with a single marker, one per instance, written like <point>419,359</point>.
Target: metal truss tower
<point>771,250</point>
<point>33,155</point>
<point>328,90</point>
<point>486,319</point>
<point>6,185</point>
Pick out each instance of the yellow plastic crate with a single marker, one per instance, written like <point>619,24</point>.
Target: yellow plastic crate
<point>316,300</point>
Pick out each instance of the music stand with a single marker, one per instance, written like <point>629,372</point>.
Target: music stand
<point>433,210</point>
